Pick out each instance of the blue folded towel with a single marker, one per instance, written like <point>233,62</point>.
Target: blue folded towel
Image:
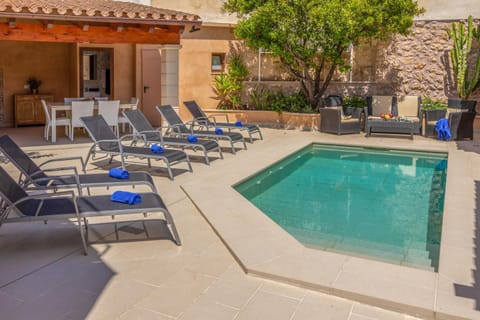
<point>443,129</point>
<point>239,123</point>
<point>192,138</point>
<point>155,148</point>
<point>118,173</point>
<point>126,197</point>
<point>218,131</point>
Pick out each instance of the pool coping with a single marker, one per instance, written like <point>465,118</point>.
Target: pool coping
<point>264,249</point>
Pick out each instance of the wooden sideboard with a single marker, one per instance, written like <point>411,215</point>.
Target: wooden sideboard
<point>29,110</point>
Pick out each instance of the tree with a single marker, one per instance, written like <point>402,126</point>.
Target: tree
<point>310,36</point>
<point>462,47</point>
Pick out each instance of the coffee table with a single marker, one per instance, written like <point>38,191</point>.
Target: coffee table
<point>389,126</point>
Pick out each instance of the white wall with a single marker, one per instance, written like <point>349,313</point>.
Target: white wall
<point>448,9</point>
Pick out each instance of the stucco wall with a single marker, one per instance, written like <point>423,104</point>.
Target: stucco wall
<point>195,75</point>
<point>208,10</point>
<point>447,9</point>
<point>49,62</point>
<point>57,66</point>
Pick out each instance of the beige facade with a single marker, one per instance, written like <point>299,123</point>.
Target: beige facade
<point>413,64</point>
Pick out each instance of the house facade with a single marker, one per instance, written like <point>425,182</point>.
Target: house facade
<point>417,64</point>
<point>166,52</point>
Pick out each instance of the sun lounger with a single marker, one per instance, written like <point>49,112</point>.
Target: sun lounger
<point>33,174</point>
<point>106,142</point>
<point>209,121</point>
<point>140,124</point>
<point>181,129</point>
<point>18,206</point>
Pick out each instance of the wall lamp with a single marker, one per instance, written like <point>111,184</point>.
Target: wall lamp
<point>194,29</point>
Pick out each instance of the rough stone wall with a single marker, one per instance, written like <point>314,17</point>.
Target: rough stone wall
<point>418,64</point>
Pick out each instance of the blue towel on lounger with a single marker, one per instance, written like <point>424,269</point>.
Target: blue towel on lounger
<point>443,129</point>
<point>192,138</point>
<point>218,131</point>
<point>118,173</point>
<point>155,148</point>
<point>126,197</point>
<point>239,123</point>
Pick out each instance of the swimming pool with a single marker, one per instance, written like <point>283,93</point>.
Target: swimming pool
<point>376,203</point>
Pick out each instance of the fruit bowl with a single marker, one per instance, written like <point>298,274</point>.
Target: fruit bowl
<point>387,116</point>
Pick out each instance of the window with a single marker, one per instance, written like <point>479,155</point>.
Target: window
<point>218,62</point>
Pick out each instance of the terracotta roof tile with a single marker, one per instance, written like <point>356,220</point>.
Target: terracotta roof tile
<point>95,9</point>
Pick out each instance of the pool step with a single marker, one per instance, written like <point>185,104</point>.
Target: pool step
<point>367,249</point>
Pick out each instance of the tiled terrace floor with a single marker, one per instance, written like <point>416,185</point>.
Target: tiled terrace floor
<point>43,274</point>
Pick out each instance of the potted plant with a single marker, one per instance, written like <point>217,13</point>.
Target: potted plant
<point>354,105</point>
<point>34,84</point>
<point>462,37</point>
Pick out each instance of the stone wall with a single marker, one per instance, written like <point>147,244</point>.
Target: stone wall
<point>417,64</point>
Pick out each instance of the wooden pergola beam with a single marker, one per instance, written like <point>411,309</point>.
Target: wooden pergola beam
<point>89,33</point>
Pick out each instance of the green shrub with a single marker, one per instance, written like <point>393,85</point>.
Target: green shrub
<point>228,86</point>
<point>294,102</point>
<point>355,102</point>
<point>433,104</point>
<point>259,97</point>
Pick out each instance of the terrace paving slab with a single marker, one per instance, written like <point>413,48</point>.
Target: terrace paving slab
<point>155,279</point>
<point>264,249</point>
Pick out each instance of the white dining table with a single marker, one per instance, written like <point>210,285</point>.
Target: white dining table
<point>56,107</point>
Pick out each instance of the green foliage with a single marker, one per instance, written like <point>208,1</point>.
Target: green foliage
<point>433,104</point>
<point>310,36</point>
<point>34,83</point>
<point>355,102</point>
<point>259,97</point>
<point>264,99</point>
<point>462,47</point>
<point>228,86</point>
<point>294,102</point>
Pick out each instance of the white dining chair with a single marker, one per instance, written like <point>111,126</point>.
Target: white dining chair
<point>59,121</point>
<point>80,109</point>
<point>109,110</point>
<point>122,119</point>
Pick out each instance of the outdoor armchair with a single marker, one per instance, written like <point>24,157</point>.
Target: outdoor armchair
<point>33,175</point>
<point>332,120</point>
<point>377,105</point>
<point>181,129</point>
<point>409,108</point>
<point>141,125</point>
<point>460,114</point>
<point>210,121</point>
<point>18,206</point>
<point>106,142</point>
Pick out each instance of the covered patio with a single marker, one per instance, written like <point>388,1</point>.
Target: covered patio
<point>87,49</point>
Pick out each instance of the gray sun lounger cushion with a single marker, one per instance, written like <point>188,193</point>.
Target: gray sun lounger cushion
<point>181,128</point>
<point>34,175</point>
<point>141,125</point>
<point>23,207</point>
<point>106,142</point>
<point>201,118</point>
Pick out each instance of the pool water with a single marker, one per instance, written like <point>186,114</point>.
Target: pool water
<point>376,203</point>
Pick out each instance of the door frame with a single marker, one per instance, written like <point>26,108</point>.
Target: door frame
<point>111,52</point>
<point>144,66</point>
